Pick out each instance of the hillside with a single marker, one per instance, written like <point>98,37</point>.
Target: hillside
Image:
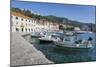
<point>55,19</point>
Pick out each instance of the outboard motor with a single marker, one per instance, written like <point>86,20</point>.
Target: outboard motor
<point>90,39</point>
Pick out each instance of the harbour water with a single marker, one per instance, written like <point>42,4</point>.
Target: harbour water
<point>60,55</point>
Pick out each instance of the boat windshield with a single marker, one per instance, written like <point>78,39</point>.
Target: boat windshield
<point>55,36</point>
<point>67,39</point>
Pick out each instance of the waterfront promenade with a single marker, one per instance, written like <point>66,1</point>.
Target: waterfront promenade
<point>24,53</point>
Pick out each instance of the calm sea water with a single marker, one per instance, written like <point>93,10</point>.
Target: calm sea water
<point>60,55</point>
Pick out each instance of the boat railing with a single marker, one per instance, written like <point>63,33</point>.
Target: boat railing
<point>84,43</point>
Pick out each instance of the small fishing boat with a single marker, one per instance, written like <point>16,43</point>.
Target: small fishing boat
<point>47,38</point>
<point>35,35</point>
<point>72,42</point>
<point>44,40</point>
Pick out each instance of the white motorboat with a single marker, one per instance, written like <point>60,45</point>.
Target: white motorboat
<point>35,35</point>
<point>72,42</point>
<point>47,38</point>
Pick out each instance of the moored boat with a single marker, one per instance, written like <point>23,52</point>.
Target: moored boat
<point>35,35</point>
<point>47,38</point>
<point>44,40</point>
<point>72,42</point>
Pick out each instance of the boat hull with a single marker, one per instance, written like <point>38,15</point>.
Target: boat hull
<point>45,41</point>
<point>71,48</point>
<point>35,36</point>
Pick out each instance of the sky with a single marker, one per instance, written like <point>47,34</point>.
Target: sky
<point>81,13</point>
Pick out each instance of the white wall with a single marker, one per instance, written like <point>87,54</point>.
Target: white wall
<point>16,23</point>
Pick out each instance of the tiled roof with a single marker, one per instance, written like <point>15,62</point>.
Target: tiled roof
<point>20,15</point>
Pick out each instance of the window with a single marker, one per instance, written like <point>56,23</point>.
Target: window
<point>26,29</point>
<point>22,26</point>
<point>26,24</point>
<point>22,19</point>
<point>22,29</point>
<point>17,29</point>
<point>16,17</point>
<point>29,30</point>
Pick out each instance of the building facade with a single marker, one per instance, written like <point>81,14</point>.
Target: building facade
<point>22,23</point>
<point>77,29</point>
